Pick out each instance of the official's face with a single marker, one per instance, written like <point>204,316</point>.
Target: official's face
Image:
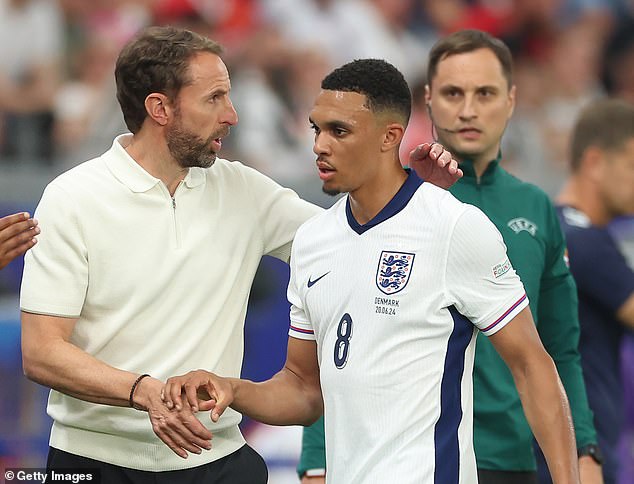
<point>347,140</point>
<point>203,113</point>
<point>471,103</point>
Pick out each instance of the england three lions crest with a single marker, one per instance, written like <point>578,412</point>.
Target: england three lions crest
<point>394,270</point>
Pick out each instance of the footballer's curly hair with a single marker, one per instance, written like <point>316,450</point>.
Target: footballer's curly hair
<point>380,82</point>
<point>156,60</point>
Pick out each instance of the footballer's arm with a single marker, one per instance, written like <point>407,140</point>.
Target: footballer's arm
<point>291,397</point>
<point>543,397</point>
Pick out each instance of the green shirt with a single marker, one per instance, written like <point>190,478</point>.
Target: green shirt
<point>535,244</point>
<point>536,247</point>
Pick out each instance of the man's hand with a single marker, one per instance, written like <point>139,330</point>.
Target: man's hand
<point>313,480</point>
<point>179,429</point>
<point>17,235</point>
<point>434,164</point>
<point>203,391</point>
<point>589,470</point>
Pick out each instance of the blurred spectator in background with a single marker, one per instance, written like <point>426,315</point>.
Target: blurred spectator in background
<point>419,126</point>
<point>601,188</point>
<point>31,48</point>
<point>84,121</point>
<point>275,88</point>
<point>353,29</point>
<point>618,61</point>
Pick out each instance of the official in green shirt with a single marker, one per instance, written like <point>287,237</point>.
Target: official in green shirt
<point>470,96</point>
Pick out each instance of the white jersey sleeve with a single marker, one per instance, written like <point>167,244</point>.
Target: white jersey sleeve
<point>301,326</point>
<point>480,278</point>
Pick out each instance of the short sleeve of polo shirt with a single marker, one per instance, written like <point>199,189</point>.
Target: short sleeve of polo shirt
<point>480,279</point>
<point>55,278</point>
<point>279,212</point>
<point>599,268</point>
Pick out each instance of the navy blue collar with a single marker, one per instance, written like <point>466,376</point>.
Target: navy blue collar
<point>394,206</point>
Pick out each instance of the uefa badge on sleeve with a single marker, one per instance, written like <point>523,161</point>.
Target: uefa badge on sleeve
<point>393,271</point>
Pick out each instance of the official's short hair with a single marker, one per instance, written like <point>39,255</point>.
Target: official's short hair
<point>465,41</point>
<point>380,82</point>
<point>606,123</point>
<point>156,60</point>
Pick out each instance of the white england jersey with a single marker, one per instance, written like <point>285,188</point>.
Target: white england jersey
<point>394,306</point>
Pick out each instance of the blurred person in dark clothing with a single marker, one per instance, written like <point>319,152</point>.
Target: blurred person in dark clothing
<point>600,189</point>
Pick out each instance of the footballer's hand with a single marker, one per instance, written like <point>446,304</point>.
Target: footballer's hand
<point>202,390</point>
<point>434,164</point>
<point>180,430</point>
<point>17,235</point>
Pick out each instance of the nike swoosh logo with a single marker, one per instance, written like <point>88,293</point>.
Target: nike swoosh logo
<point>312,283</point>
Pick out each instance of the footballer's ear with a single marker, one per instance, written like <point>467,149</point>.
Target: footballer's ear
<point>392,136</point>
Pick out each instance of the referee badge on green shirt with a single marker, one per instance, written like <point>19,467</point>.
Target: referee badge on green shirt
<point>519,224</point>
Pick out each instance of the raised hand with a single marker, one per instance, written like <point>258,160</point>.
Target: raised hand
<point>434,164</point>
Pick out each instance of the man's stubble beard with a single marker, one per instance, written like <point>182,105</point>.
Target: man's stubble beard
<point>189,149</point>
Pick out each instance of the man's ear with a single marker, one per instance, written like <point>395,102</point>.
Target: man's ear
<point>393,136</point>
<point>593,162</point>
<point>158,108</point>
<point>511,101</point>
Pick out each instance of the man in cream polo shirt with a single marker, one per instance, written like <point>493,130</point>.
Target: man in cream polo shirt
<point>147,257</point>
<point>143,270</point>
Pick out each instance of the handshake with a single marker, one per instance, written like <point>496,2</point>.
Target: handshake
<point>171,407</point>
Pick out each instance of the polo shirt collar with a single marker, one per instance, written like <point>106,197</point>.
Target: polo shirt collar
<point>134,176</point>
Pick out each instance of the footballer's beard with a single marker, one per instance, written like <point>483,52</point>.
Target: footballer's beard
<point>189,149</point>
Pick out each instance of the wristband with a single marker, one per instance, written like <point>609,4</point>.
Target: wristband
<point>134,385</point>
<point>593,451</point>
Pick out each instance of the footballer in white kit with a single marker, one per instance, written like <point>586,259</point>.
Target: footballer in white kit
<point>394,306</point>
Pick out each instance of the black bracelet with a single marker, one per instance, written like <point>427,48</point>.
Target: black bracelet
<point>591,450</point>
<point>134,385</point>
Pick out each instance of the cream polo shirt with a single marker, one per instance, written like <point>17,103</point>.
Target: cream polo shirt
<point>159,284</point>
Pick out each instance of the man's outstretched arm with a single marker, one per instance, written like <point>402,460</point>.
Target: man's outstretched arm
<point>291,397</point>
